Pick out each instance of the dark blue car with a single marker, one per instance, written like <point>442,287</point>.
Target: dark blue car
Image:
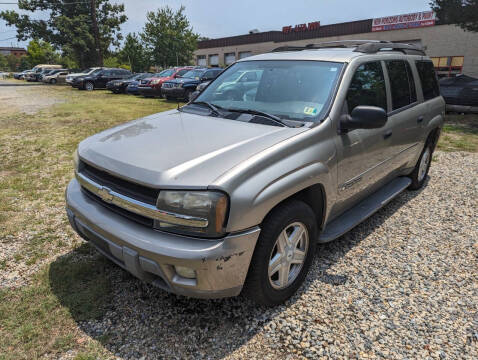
<point>181,88</point>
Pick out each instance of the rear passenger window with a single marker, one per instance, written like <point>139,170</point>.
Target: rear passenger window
<point>402,84</point>
<point>428,79</point>
<point>367,87</point>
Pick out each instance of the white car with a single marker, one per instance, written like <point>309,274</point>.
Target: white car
<point>69,78</point>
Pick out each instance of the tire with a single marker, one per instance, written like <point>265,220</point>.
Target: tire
<point>272,287</point>
<point>420,172</point>
<point>89,86</point>
<point>53,81</point>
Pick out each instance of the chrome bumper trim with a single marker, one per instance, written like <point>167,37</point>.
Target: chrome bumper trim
<point>138,207</point>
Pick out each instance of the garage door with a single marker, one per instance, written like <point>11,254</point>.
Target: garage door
<point>213,60</point>
<point>229,58</point>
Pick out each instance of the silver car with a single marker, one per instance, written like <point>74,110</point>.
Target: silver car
<point>232,192</point>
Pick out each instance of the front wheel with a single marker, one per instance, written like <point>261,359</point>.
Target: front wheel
<point>53,81</point>
<point>283,254</point>
<point>89,86</point>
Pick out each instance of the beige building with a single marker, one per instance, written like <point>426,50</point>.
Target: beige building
<point>452,50</point>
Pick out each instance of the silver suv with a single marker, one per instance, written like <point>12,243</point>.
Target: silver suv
<point>233,191</point>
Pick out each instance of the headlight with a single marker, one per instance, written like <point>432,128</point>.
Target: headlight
<point>193,212</point>
<point>76,160</point>
<point>155,81</point>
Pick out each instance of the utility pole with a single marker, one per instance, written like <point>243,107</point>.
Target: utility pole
<point>96,32</point>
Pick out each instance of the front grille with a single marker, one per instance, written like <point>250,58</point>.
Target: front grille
<point>121,186</point>
<point>128,214</point>
<point>168,85</point>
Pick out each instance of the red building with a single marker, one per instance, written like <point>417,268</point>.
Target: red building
<point>18,52</point>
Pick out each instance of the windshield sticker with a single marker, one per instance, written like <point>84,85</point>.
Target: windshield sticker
<point>310,110</point>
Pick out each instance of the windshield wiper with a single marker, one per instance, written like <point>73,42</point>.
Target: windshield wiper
<point>212,107</point>
<point>260,113</point>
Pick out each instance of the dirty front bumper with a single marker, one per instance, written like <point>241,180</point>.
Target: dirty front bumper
<point>151,255</point>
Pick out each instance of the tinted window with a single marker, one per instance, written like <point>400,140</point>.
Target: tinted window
<point>428,79</point>
<point>411,81</point>
<point>182,72</point>
<point>399,84</point>
<point>367,87</point>
<point>211,74</point>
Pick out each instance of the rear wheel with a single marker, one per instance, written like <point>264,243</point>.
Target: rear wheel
<point>420,172</point>
<point>53,81</point>
<point>283,254</point>
<point>89,86</point>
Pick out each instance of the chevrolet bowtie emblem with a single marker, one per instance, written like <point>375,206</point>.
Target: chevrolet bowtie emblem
<point>105,194</point>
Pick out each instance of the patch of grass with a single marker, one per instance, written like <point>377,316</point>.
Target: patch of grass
<point>41,319</point>
<point>460,133</point>
<point>36,152</point>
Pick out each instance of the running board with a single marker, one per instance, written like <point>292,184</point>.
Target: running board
<point>363,210</point>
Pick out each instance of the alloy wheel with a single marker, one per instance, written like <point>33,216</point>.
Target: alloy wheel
<point>288,255</point>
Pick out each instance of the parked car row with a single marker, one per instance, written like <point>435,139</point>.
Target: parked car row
<point>177,83</point>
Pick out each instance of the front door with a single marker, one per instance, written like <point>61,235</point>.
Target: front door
<point>363,154</point>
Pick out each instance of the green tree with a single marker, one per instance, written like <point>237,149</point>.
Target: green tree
<point>41,52</point>
<point>13,62</point>
<point>3,63</point>
<point>69,27</point>
<point>134,54</point>
<point>168,37</point>
<point>24,64</point>
<point>461,12</point>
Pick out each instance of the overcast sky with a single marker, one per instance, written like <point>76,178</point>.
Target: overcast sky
<point>218,18</point>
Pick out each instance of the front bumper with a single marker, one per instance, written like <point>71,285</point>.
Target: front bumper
<point>177,93</point>
<point>149,91</point>
<point>221,265</point>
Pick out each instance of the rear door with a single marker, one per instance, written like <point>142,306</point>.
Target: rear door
<point>407,114</point>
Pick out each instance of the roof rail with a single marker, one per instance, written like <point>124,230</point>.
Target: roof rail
<point>363,46</point>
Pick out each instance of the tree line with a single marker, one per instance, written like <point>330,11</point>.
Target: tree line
<point>84,33</point>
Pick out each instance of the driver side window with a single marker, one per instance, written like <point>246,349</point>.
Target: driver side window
<point>367,87</point>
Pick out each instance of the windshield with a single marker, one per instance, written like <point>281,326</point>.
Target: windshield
<point>166,73</point>
<point>193,74</point>
<point>94,71</point>
<point>296,90</point>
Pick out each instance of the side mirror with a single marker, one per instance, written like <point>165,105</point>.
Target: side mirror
<point>194,95</point>
<point>363,117</point>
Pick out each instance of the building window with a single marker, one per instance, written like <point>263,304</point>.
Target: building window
<point>244,54</point>
<point>201,60</point>
<point>229,58</point>
<point>213,60</point>
<point>448,66</point>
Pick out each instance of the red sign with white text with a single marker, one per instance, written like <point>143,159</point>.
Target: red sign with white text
<point>406,21</point>
<point>301,27</point>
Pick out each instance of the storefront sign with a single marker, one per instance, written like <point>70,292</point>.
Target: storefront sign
<point>407,21</point>
<point>301,27</point>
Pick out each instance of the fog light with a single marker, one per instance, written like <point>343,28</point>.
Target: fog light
<point>185,272</point>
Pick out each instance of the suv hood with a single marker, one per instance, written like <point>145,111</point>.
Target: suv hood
<point>177,149</point>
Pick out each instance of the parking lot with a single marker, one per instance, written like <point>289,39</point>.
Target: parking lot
<point>403,284</point>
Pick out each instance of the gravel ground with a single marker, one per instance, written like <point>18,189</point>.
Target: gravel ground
<point>25,98</point>
<point>403,284</point>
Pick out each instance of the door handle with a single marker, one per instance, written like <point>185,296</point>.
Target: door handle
<point>387,134</point>
<point>420,119</point>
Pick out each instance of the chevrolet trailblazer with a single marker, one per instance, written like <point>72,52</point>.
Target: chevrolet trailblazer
<point>232,192</point>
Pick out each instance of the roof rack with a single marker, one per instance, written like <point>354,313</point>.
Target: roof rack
<point>363,46</point>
